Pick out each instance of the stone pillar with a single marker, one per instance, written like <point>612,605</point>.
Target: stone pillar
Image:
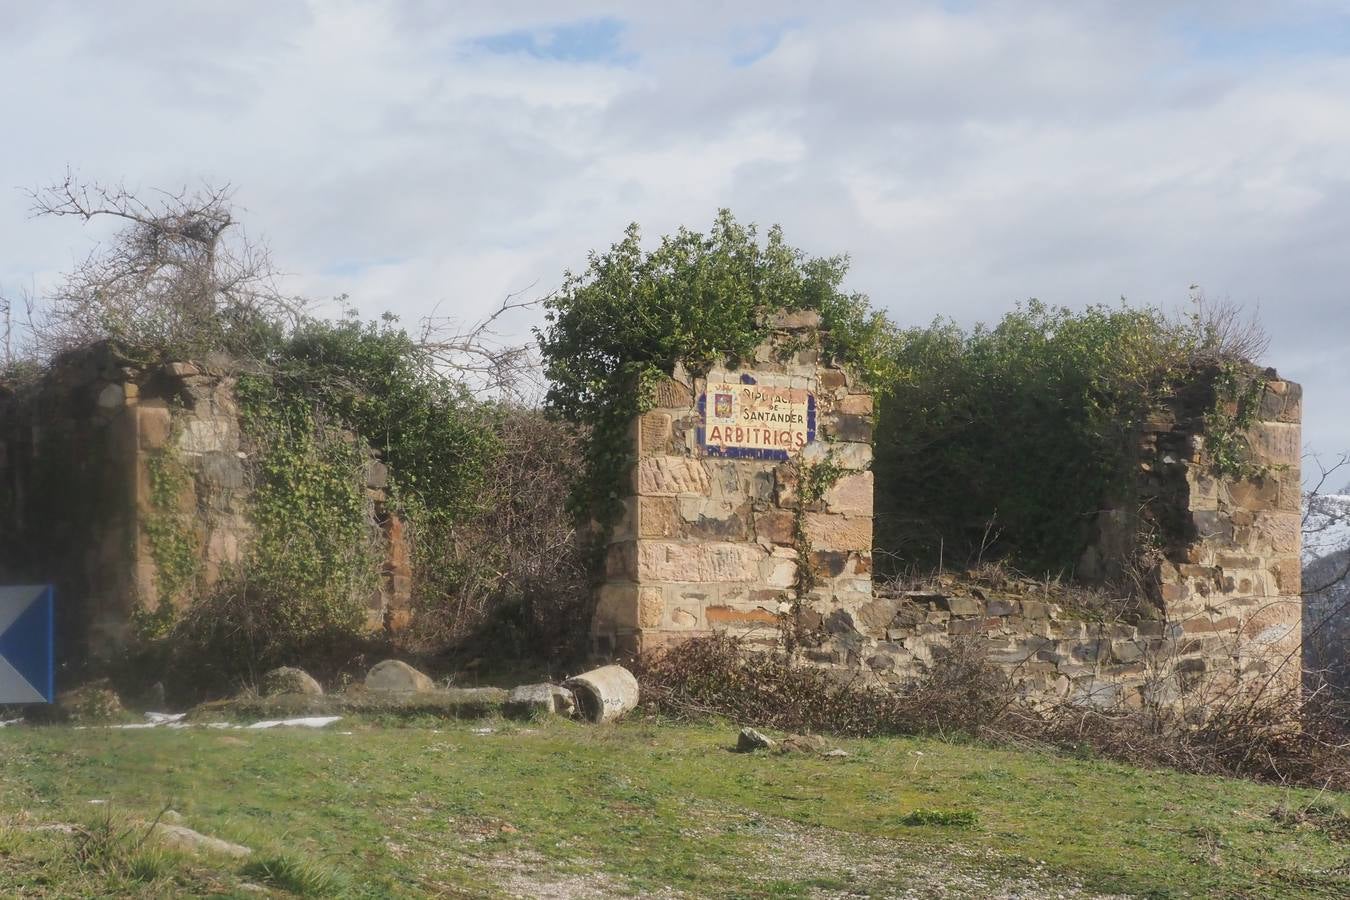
<point>1227,573</point>
<point>721,529</point>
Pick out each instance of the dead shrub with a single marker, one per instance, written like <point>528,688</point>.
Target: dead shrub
<point>512,578</point>
<point>719,675</point>
<point>1280,738</point>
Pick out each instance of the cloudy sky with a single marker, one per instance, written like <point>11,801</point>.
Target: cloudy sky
<point>967,155</point>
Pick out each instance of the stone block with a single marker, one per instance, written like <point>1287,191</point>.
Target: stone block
<point>1257,492</point>
<point>847,455</point>
<point>1288,575</point>
<point>1277,533</point>
<point>855,405</point>
<point>616,605</point>
<point>651,607</point>
<point>776,526</point>
<point>377,474</point>
<point>1282,401</point>
<point>671,476</point>
<point>827,531</point>
<point>654,432</point>
<point>113,396</point>
<point>530,700</point>
<point>778,573</point>
<point>154,424</point>
<point>795,320</point>
<point>683,617</point>
<point>829,563</point>
<point>206,435</point>
<point>1035,609</point>
<point>850,428</point>
<point>673,561</point>
<point>963,606</point>
<point>1276,443</point>
<point>621,561</point>
<point>219,469</point>
<point>658,517</point>
<point>851,495</point>
<point>727,617</point>
<point>672,394</point>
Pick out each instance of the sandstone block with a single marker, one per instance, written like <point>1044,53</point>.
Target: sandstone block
<point>658,517</point>
<point>778,573</point>
<point>651,607</point>
<point>671,476</point>
<point>1279,533</point>
<point>672,561</point>
<point>851,495</point>
<point>1288,575</point>
<point>776,526</point>
<point>727,617</point>
<point>963,606</point>
<point>855,405</point>
<point>826,531</point>
<point>616,605</point>
<point>154,423</point>
<point>654,431</point>
<point>672,394</point>
<point>1276,443</point>
<point>204,435</point>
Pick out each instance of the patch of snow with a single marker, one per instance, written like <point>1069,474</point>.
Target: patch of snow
<point>1326,525</point>
<point>159,718</point>
<point>306,722</point>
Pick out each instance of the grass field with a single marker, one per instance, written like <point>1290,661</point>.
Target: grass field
<point>565,810</point>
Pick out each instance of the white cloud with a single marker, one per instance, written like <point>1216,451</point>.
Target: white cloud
<point>966,155</point>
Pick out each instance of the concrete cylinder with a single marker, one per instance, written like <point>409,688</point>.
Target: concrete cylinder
<point>604,694</point>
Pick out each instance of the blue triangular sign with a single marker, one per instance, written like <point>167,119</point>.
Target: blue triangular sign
<point>26,644</point>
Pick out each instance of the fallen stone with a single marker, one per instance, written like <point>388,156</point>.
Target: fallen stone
<point>837,753</point>
<point>289,680</point>
<point>542,699</point>
<point>181,837</point>
<point>397,677</point>
<point>802,743</point>
<point>751,740</point>
<point>606,693</point>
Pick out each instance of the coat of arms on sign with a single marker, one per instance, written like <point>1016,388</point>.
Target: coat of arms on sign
<point>722,406</point>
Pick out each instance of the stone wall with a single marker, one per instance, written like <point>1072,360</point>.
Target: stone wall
<point>127,486</point>
<point>716,533</point>
<point>715,543</point>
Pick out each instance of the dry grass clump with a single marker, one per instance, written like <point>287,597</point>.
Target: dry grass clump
<point>718,675</point>
<point>1267,737</point>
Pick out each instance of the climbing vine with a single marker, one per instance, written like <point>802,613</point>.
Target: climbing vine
<point>1238,395</point>
<point>169,534</point>
<point>312,562</point>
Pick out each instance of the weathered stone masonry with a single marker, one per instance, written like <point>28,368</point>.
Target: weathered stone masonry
<point>710,543</point>
<point>713,537</point>
<point>80,454</point>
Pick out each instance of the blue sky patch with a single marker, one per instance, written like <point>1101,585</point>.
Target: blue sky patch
<point>587,40</point>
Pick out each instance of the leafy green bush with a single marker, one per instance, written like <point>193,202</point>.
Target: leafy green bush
<point>1004,442</point>
<point>625,321</point>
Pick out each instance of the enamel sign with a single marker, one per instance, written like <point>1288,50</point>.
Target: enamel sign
<point>757,416</point>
